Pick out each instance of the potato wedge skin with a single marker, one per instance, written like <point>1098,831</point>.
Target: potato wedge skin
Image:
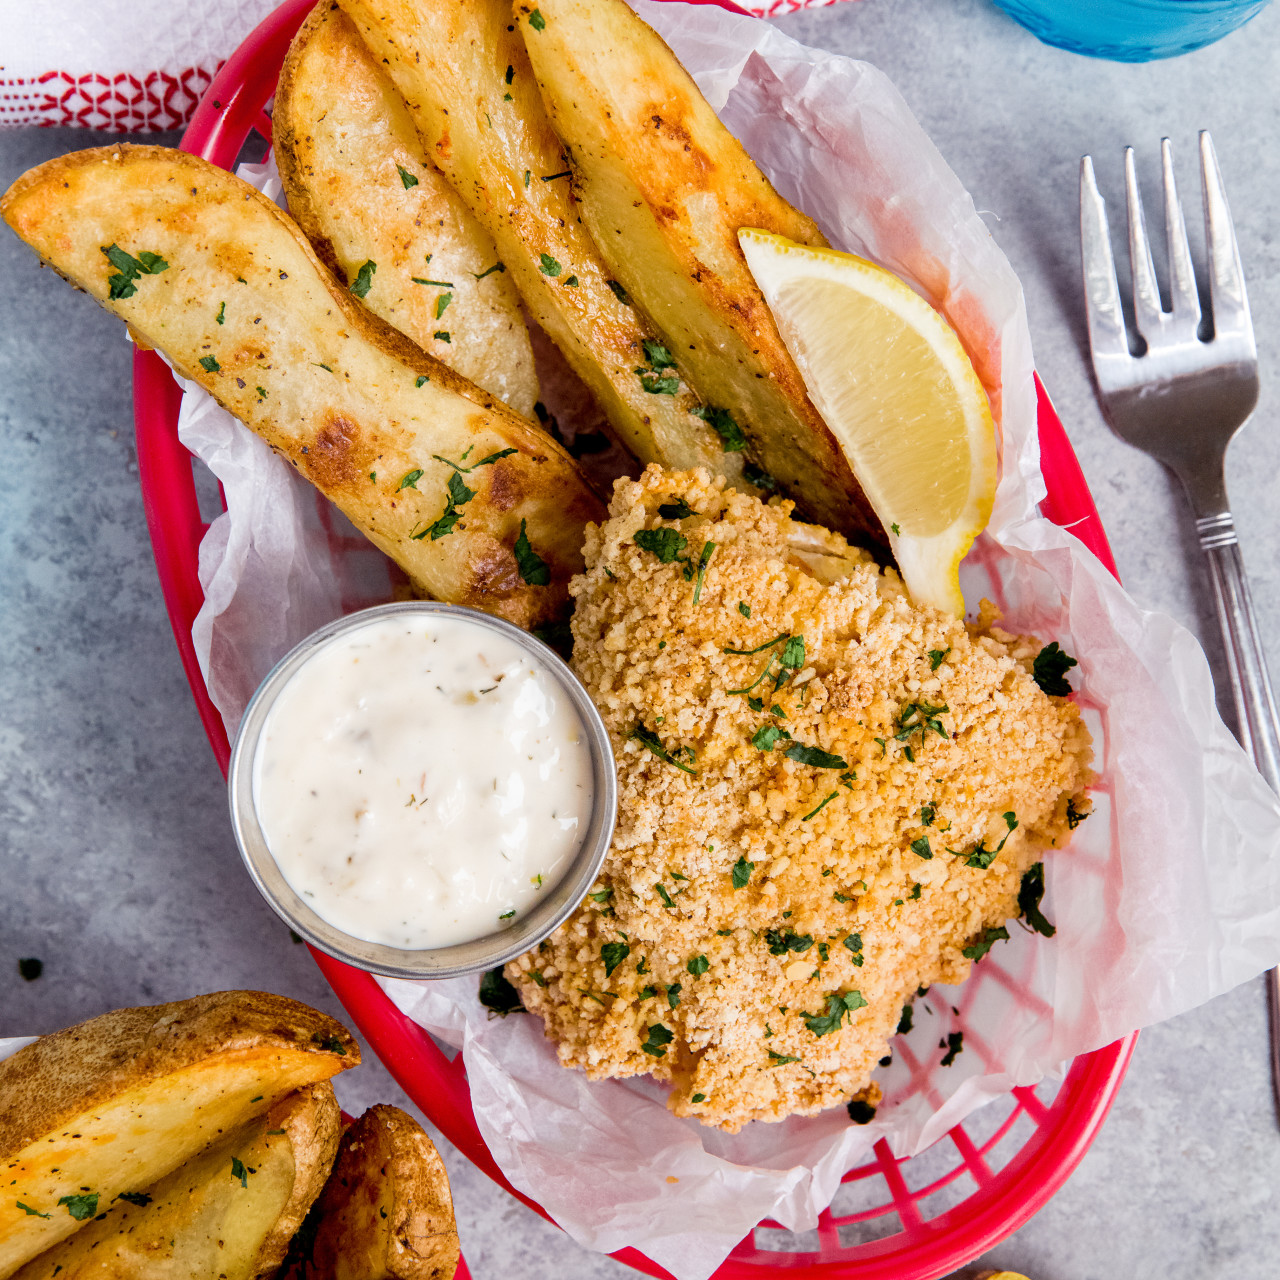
<point>204,1220</point>
<point>492,140</point>
<point>342,138</point>
<point>344,397</point>
<point>117,1102</point>
<point>664,188</point>
<point>386,1211</point>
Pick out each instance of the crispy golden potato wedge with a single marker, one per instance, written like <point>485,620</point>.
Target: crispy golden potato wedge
<point>361,188</point>
<point>464,75</point>
<point>663,188</point>
<point>115,1103</point>
<point>386,1212</point>
<point>477,505</point>
<point>229,1211</point>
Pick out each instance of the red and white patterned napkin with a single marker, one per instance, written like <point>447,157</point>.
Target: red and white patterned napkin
<point>136,66</point>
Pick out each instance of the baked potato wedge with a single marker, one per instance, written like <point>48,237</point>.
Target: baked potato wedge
<point>663,188</point>
<point>476,504</point>
<point>386,1212</point>
<point>462,71</point>
<point>362,190</point>
<point>114,1104</point>
<point>229,1211</point>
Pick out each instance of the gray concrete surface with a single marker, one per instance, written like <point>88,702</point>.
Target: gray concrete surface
<point>117,866</point>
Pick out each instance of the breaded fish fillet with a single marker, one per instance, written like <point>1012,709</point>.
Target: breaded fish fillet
<point>809,830</point>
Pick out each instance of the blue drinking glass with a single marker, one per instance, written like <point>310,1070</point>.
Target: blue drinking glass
<point>1131,30</point>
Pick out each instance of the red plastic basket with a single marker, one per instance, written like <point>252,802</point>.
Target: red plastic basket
<point>918,1218</point>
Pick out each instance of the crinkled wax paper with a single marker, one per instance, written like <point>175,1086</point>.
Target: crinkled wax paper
<point>1170,893</point>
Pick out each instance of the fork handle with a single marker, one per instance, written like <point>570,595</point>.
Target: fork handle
<point>1259,724</point>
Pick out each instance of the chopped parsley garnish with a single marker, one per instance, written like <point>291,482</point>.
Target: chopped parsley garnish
<point>813,813</point>
<point>758,477</point>
<point>406,178</point>
<point>658,384</point>
<point>984,942</point>
<point>793,654</point>
<point>1074,816</point>
<point>651,742</point>
<point>741,873</point>
<point>511,73</point>
<point>954,1045</point>
<point>239,1171</point>
<point>436,284</point>
<point>781,943</point>
<point>896,531</point>
<point>698,965</point>
<point>613,954</point>
<point>571,282</point>
<point>661,891</point>
<point>601,895</point>
<point>1030,894</point>
<point>548,265</point>
<point>838,1008</point>
<point>221,317</point>
<point>421,380</point>
<point>659,1037</point>
<point>536,975</point>
<point>364,278</point>
<point>937,657</point>
<point>129,268</point>
<point>673,994</point>
<point>30,968</point>
<point>677,510</point>
<point>498,995</point>
<point>262,392</point>
<point>1050,669</point>
<point>920,717</point>
<point>459,495</point>
<point>861,1111</point>
<point>484,462</point>
<point>927,814</point>
<point>979,856</point>
<point>768,644</point>
<point>533,568</point>
<point>443,335</point>
<point>656,354</point>
<point>921,848</point>
<point>904,1022</point>
<point>488,271</point>
<point>698,1097</point>
<point>764,737</point>
<point>704,559</point>
<point>914,895</point>
<point>539,23</point>
<point>619,292</point>
<point>744,608</point>
<point>410,479</point>
<point>723,423</point>
<point>814,756</point>
<point>526,179</point>
<point>854,943</point>
<point>141,1199</point>
<point>29,1211</point>
<point>666,544</point>
<point>647,993</point>
<point>780,1059</point>
<point>81,1207</point>
<point>442,303</point>
<point>210,364</point>
<point>330,1044</point>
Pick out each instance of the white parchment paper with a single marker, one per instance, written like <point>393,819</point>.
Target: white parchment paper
<point>1169,895</point>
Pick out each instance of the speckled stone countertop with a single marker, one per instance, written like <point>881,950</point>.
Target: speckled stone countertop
<point>117,865</point>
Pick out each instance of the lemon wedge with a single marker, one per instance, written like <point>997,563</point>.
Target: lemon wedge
<point>894,385</point>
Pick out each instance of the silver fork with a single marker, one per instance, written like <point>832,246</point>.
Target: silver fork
<point>1182,400</point>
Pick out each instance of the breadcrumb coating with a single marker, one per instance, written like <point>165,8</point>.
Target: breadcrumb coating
<point>808,832</point>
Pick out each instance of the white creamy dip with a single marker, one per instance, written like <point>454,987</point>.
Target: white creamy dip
<point>422,780</point>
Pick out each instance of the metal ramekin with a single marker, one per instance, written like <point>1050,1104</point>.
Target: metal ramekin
<point>462,958</point>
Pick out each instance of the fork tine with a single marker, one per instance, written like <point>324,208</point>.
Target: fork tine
<point>1182,277</point>
<point>1107,337</point>
<point>1226,278</point>
<point>1148,312</point>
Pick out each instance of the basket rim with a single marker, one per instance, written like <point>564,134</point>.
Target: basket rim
<point>233,106</point>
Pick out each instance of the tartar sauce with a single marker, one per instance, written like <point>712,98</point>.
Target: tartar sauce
<point>421,781</point>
